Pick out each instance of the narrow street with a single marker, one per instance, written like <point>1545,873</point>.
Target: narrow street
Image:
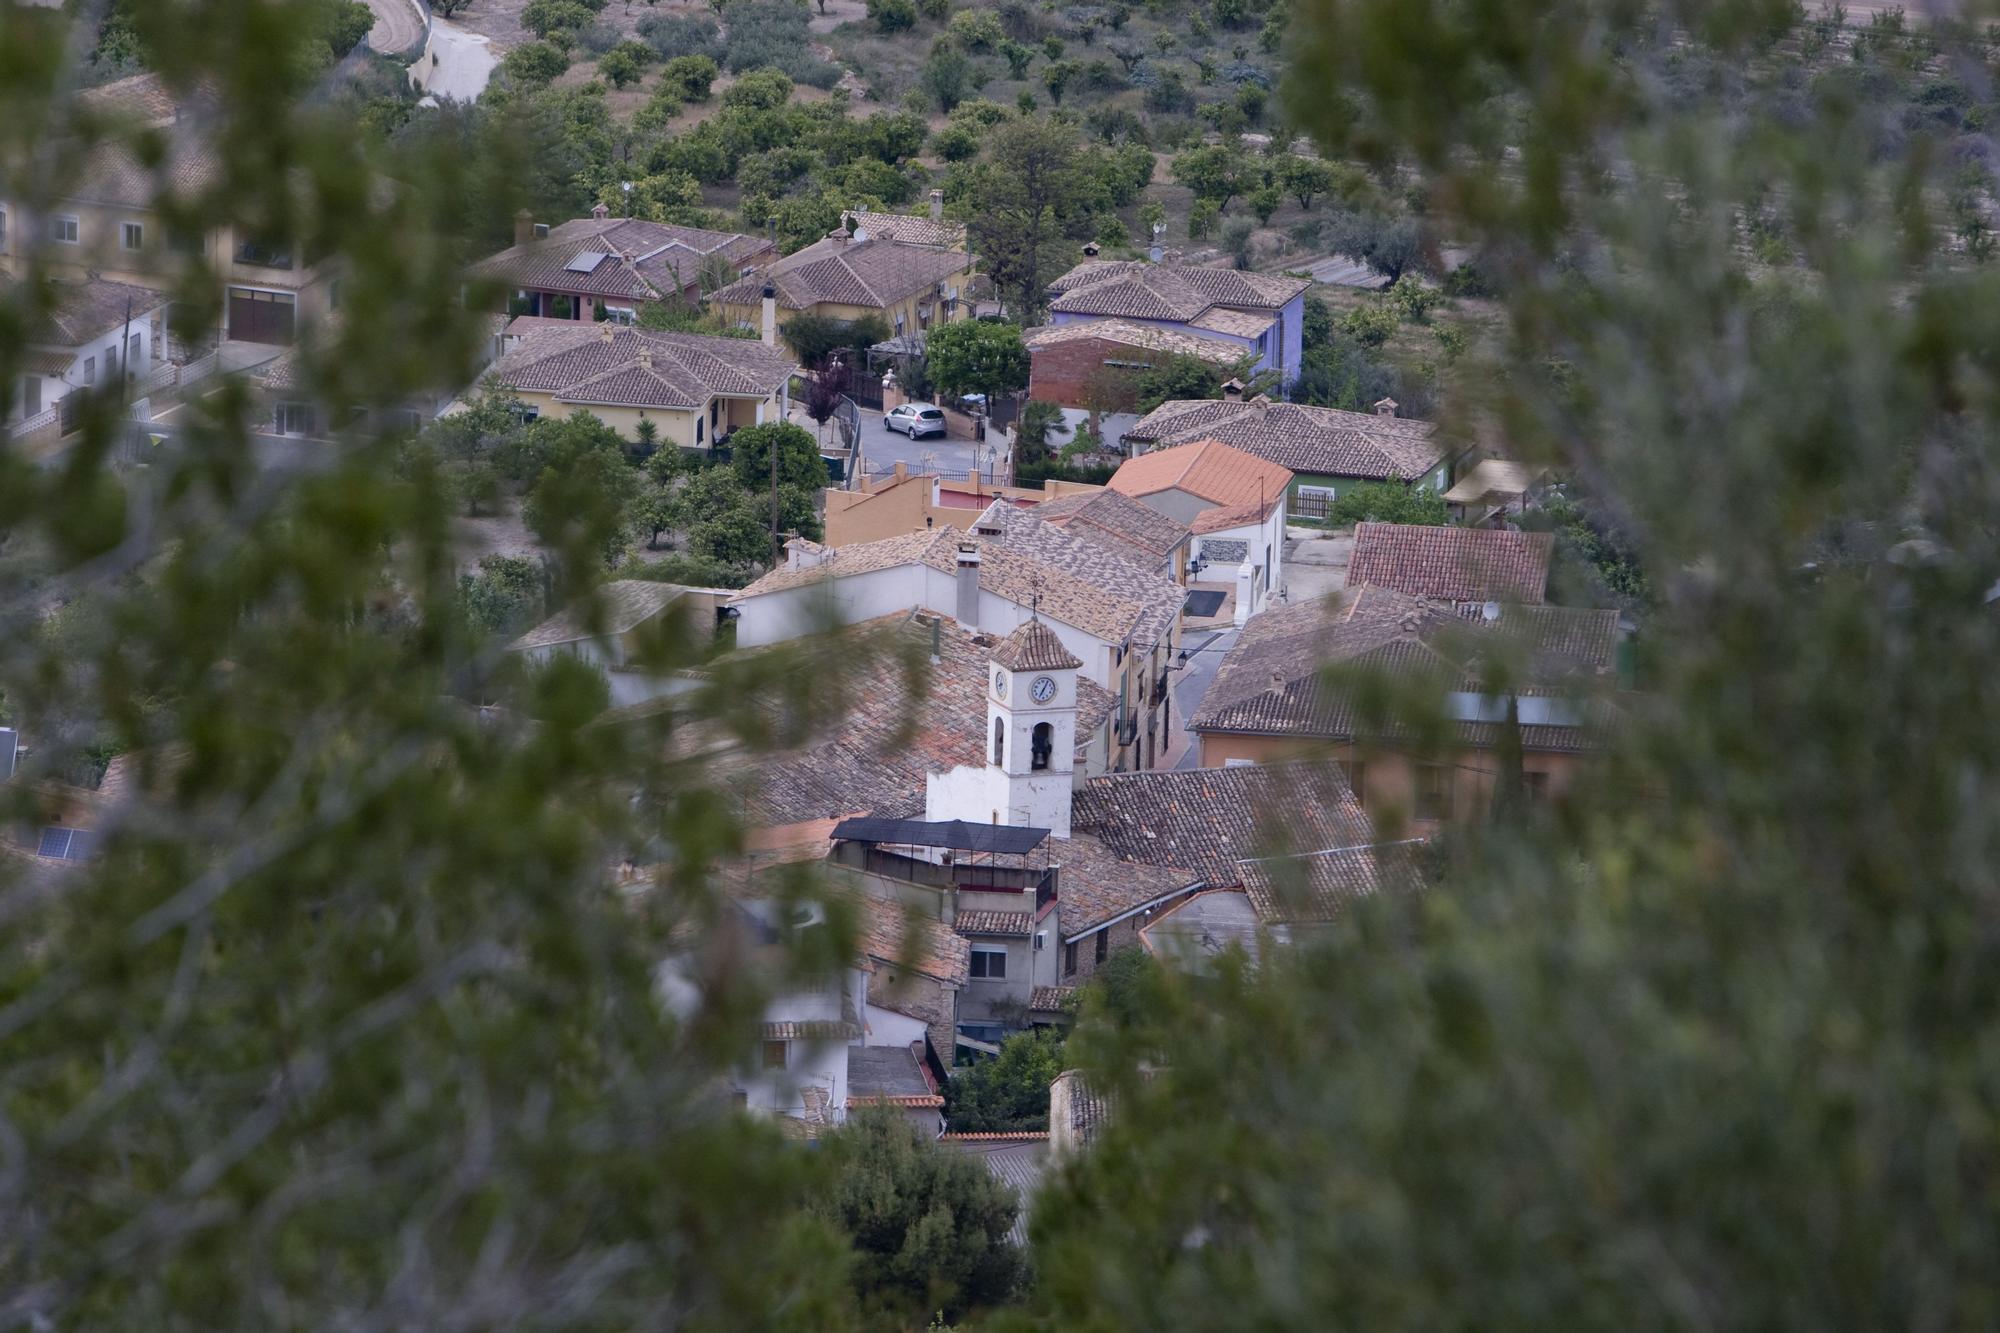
<point>1205,650</point>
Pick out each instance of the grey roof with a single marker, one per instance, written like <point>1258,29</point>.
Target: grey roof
<point>1452,564</point>
<point>910,229</point>
<point>636,260</point>
<point>1127,527</point>
<point>1034,647</point>
<point>1153,599</point>
<point>82,311</point>
<point>1142,337</point>
<point>1051,999</point>
<point>1020,1161</point>
<point>889,1073</point>
<point>1272,681</point>
<point>611,365</point>
<point>1315,887</point>
<point>617,606</point>
<point>1209,819</point>
<point>994,921</point>
<point>1321,440</point>
<point>874,272</point>
<point>907,724</point>
<point>1172,292</point>
<point>1096,887</point>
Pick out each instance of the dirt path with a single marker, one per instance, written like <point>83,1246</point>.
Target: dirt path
<point>397,26</point>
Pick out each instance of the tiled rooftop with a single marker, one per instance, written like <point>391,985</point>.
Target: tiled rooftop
<point>609,365</point>
<point>618,606</point>
<point>1096,886</point>
<point>1452,564</point>
<point>1272,680</point>
<point>1016,925</point>
<point>875,273</point>
<point>85,310</point>
<point>640,260</point>
<point>1034,647</point>
<point>1132,598</point>
<point>1208,470</point>
<point>888,1074</point>
<point>1208,819</point>
<point>1320,440</point>
<point>1113,519</point>
<point>901,728</point>
<point>909,229</point>
<point>1175,292</point>
<point>1314,888</point>
<point>1145,337</point>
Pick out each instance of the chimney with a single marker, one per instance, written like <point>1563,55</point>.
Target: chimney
<point>524,227</point>
<point>1090,249</point>
<point>968,584</point>
<point>1386,407</point>
<point>645,356</point>
<point>769,334</point>
<point>937,205</point>
<point>1154,253</point>
<point>606,331</point>
<point>1232,389</point>
<point>600,212</point>
<point>10,747</point>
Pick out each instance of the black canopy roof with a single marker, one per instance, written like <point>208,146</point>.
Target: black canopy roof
<point>954,833</point>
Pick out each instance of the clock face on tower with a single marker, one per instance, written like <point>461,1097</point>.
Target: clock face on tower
<point>1000,684</point>
<point>1044,689</point>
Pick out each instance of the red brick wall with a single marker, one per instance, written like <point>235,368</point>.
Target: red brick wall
<point>1065,373</point>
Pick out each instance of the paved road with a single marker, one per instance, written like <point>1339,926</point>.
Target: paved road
<point>882,449</point>
<point>456,64</point>
<point>1205,650</point>
<point>397,26</point>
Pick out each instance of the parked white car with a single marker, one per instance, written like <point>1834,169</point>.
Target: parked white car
<point>916,420</point>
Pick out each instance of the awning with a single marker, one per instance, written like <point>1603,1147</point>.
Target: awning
<point>955,834</point>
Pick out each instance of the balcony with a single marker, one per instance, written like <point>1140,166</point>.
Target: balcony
<point>977,876</point>
<point>264,255</point>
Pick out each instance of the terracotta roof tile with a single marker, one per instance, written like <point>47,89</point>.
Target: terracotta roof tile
<point>1034,647</point>
<point>1273,682</point>
<point>1144,337</point>
<point>1176,292</point>
<point>875,273</point>
<point>641,261</point>
<point>1095,886</point>
<point>82,311</point>
<point>1452,564</point>
<point>1111,518</point>
<point>1317,886</point>
<point>909,229</point>
<point>1320,440</point>
<point>1018,925</point>
<point>895,733</point>
<point>1234,516</point>
<point>1207,819</point>
<point>1052,999</point>
<point>605,364</point>
<point>1209,470</point>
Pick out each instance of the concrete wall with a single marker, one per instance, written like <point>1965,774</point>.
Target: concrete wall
<point>903,504</point>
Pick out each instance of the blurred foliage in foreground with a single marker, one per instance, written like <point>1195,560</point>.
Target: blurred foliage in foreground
<point>350,1026</point>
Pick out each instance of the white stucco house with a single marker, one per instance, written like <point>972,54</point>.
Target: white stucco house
<point>94,332</point>
<point>1245,545</point>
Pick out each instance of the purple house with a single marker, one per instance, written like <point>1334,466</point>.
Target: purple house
<point>1264,315</point>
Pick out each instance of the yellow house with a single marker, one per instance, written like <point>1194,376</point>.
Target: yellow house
<point>106,223</point>
<point>852,274</point>
<point>906,501</point>
<point>695,389</point>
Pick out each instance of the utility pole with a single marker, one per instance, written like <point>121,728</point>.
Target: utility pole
<point>777,547</point>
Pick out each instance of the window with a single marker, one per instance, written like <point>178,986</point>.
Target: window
<point>264,254</point>
<point>292,419</point>
<point>1267,569</point>
<point>774,1055</point>
<point>999,742</point>
<point>1103,949</point>
<point>698,424</point>
<point>1434,783</point>
<point>1041,745</point>
<point>1069,959</point>
<point>1536,785</point>
<point>63,228</point>
<point>132,236</point>
<point>714,410</point>
<point>66,844</point>
<point>3,231</point>
<point>1357,776</point>
<point>135,350</point>
<point>1239,763</point>
<point>989,962</point>
<point>90,370</point>
<point>31,395</point>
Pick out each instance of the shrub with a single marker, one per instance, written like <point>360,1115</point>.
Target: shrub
<point>760,90</point>
<point>1009,1093</point>
<point>892,15</point>
<point>1237,234</point>
<point>934,9</point>
<point>976,30</point>
<point>1388,502</point>
<point>601,37</point>
<point>543,17</point>
<point>695,570</point>
<point>534,64</point>
<point>958,141</point>
<point>690,76</point>
<point>625,63</point>
<point>677,35</point>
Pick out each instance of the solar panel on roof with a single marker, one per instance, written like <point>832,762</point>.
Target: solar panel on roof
<point>55,842</point>
<point>585,262</point>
